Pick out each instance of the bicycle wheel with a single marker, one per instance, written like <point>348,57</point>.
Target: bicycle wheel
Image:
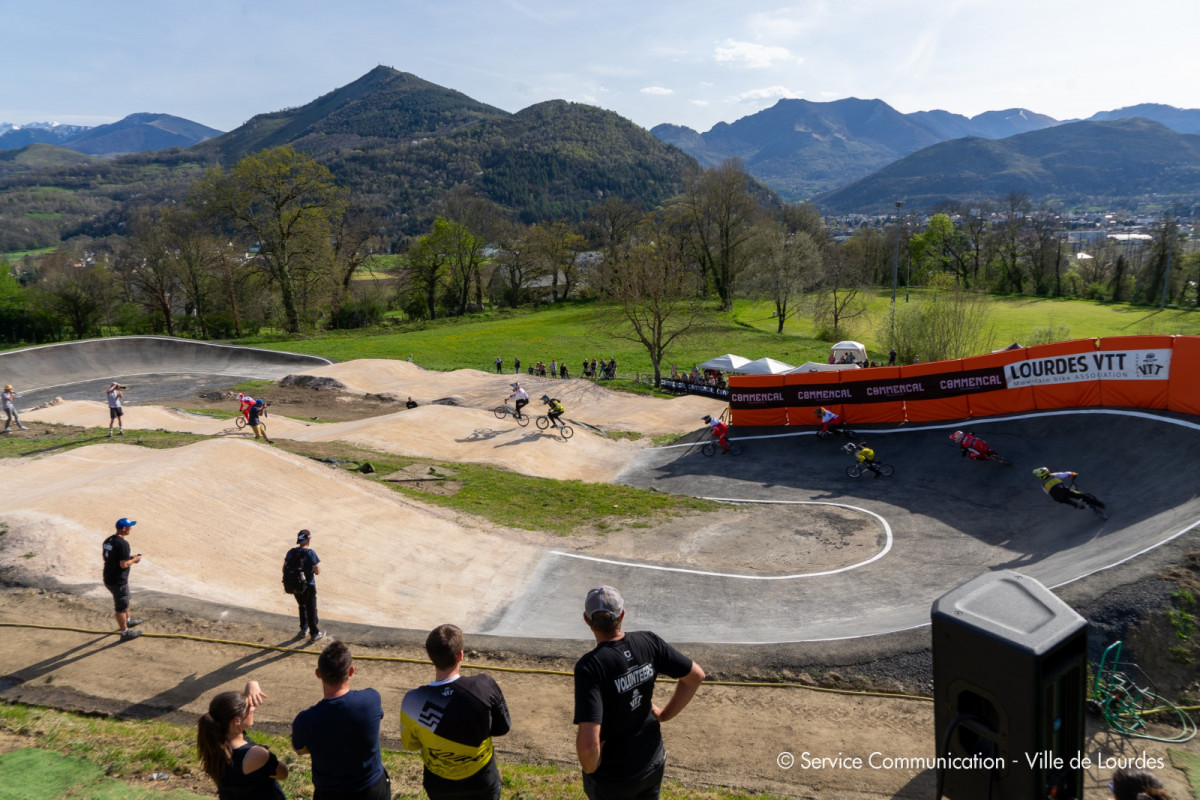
<point>999,459</point>
<point>542,422</point>
<point>522,420</point>
<point>708,449</point>
<point>567,431</point>
<point>853,471</point>
<point>500,411</point>
<point>735,449</point>
<point>885,470</point>
<point>240,422</point>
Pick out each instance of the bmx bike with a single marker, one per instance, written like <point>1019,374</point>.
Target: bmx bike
<point>565,430</point>
<point>860,468</point>
<point>710,449</point>
<point>508,411</point>
<point>1093,502</point>
<point>837,430</point>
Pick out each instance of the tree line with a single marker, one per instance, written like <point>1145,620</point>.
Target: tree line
<point>275,241</point>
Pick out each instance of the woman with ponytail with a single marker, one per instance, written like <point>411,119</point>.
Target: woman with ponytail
<point>241,769</point>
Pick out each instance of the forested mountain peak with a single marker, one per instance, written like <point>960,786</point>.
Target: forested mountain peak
<point>385,103</point>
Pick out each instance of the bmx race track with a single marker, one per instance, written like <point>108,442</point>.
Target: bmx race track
<point>804,554</point>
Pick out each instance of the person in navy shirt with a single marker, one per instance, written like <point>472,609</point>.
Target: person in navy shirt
<point>341,734</point>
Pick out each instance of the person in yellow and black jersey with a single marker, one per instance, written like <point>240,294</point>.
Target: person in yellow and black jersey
<point>452,721</point>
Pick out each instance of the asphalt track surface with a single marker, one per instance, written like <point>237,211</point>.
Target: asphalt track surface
<point>942,520</point>
<point>155,368</point>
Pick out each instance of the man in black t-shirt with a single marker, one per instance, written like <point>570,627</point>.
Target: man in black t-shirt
<point>117,561</point>
<point>619,743</point>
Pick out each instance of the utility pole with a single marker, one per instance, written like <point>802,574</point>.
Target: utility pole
<point>896,271</point>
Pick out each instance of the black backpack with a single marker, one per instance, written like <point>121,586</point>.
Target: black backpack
<point>294,581</point>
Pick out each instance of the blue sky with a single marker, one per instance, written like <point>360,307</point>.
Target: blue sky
<point>694,63</point>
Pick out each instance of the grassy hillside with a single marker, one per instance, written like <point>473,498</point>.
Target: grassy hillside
<point>573,331</point>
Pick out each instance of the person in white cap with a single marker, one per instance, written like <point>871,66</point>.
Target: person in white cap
<point>619,743</point>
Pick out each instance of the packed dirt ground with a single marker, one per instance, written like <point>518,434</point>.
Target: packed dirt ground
<point>731,735</point>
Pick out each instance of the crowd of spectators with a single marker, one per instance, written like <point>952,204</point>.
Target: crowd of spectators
<point>698,377</point>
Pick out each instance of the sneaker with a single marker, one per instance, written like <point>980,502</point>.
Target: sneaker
<point>130,634</point>
<point>318,635</point>
<point>22,427</point>
<point>110,433</point>
<point>121,432</point>
<point>133,623</point>
<point>303,632</point>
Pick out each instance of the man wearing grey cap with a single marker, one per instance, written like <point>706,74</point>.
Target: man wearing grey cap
<point>619,742</point>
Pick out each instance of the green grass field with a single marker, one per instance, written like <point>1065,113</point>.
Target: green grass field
<point>573,331</point>
<point>70,755</point>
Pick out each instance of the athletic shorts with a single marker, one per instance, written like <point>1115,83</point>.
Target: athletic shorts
<point>120,593</point>
<point>114,413</point>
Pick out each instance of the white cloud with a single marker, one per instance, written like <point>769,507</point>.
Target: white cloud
<point>699,102</point>
<point>766,93</point>
<point>749,54</point>
<point>657,90</point>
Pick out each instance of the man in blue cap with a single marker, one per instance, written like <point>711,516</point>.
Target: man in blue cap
<point>117,561</point>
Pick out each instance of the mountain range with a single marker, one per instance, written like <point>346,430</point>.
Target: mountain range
<point>136,133</point>
<point>401,143</point>
<point>803,149</point>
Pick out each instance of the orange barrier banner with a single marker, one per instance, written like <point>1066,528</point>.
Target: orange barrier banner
<point>1131,371</point>
<point>1138,370</point>
<point>1183,386</point>
<point>1063,374</point>
<point>877,384</point>
<point>809,391</point>
<point>944,375</point>
<point>1001,401</point>
<point>757,400</point>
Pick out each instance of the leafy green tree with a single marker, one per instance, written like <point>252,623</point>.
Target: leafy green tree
<point>721,214</point>
<point>286,204</point>
<point>427,264</point>
<point>77,291</point>
<point>940,248</point>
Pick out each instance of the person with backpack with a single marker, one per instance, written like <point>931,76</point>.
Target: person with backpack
<point>300,571</point>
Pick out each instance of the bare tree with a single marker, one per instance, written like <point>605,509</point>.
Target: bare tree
<point>516,264</point>
<point>653,280</point>
<point>785,266</point>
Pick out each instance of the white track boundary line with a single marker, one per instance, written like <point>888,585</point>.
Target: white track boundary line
<point>886,548</point>
<point>972,422</point>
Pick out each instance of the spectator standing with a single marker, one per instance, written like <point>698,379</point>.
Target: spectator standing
<point>117,561</point>
<point>254,420</point>
<point>517,365</point>
<point>892,357</point>
<point>562,370</point>
<point>452,721</point>
<point>303,559</point>
<point>241,768</point>
<point>115,412</point>
<point>554,368</point>
<point>10,410</point>
<point>619,741</point>
<point>341,734</point>
<point>499,364</point>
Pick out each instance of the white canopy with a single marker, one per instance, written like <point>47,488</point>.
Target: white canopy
<point>765,366</point>
<point>726,363</point>
<point>856,349</point>
<point>815,366</point>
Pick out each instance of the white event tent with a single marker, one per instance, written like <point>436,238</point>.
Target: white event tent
<point>726,363</point>
<point>765,366</point>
